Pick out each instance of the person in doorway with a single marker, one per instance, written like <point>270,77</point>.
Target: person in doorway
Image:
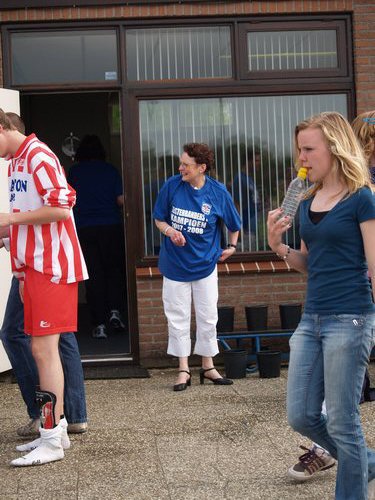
<point>100,230</point>
<point>189,211</point>
<point>17,346</point>
<point>245,194</point>
<point>315,458</point>
<point>166,165</point>
<point>330,348</point>
<point>47,260</point>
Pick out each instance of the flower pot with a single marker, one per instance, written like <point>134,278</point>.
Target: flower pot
<point>225,322</point>
<point>235,362</point>
<point>256,317</point>
<point>269,364</point>
<point>290,315</point>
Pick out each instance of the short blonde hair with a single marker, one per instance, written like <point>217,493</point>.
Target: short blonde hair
<point>364,128</point>
<point>347,155</point>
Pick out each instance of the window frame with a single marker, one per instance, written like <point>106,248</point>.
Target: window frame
<point>38,28</point>
<point>344,47</point>
<point>185,81</point>
<point>137,189</point>
<point>132,91</point>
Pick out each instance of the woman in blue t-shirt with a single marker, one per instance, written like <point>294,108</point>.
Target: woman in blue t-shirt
<point>189,211</point>
<point>315,458</point>
<point>329,350</point>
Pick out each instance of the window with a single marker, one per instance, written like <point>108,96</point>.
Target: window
<point>301,49</point>
<point>63,56</point>
<point>291,50</point>
<point>178,53</point>
<point>239,83</point>
<point>253,142</point>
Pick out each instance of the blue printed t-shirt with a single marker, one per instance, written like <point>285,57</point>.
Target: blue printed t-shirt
<point>337,270</point>
<point>197,213</point>
<point>98,184</point>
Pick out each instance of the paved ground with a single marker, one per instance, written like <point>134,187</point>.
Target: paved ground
<point>147,442</point>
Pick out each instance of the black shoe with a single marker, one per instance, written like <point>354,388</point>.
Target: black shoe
<point>184,385</point>
<point>99,332</point>
<point>216,381</point>
<point>115,321</point>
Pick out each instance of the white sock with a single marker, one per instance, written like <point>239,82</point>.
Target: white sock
<point>65,441</point>
<point>49,450</point>
<point>321,450</point>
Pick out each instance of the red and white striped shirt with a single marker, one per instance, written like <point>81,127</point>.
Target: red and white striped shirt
<point>36,179</point>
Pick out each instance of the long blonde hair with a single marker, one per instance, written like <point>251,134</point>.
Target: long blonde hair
<point>347,156</point>
<point>364,128</point>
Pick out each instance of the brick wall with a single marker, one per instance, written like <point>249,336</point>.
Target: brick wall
<point>238,290</point>
<point>364,54</point>
<point>181,10</point>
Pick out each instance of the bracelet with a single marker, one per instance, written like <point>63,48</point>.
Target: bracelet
<point>166,230</point>
<point>284,257</point>
<point>231,245</point>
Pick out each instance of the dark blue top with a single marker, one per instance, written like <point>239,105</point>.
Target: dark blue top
<point>337,270</point>
<point>244,191</point>
<point>98,184</point>
<point>197,213</point>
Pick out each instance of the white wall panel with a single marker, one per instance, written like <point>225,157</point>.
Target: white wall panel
<point>9,101</point>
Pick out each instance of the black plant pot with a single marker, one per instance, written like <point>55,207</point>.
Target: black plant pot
<point>225,322</point>
<point>269,364</point>
<point>235,362</point>
<point>256,317</point>
<point>290,315</point>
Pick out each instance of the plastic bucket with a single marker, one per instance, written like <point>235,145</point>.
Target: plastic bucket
<point>256,317</point>
<point>235,362</point>
<point>225,322</point>
<point>269,364</point>
<point>290,315</point>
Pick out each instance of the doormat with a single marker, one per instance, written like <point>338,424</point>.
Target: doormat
<point>114,371</point>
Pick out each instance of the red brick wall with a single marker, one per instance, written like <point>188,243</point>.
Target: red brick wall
<point>234,290</point>
<point>170,10</point>
<point>364,54</point>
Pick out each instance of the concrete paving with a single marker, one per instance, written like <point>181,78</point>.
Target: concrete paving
<point>147,442</point>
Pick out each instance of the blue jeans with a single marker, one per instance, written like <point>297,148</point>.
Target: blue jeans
<point>328,359</point>
<point>17,347</point>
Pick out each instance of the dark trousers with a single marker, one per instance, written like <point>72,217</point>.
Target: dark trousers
<point>104,251</point>
<point>17,346</point>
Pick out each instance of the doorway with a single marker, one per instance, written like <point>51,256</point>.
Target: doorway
<point>61,120</point>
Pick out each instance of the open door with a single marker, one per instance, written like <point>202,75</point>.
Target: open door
<point>61,121</point>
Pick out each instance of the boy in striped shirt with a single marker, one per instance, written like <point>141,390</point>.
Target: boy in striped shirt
<point>47,259</point>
